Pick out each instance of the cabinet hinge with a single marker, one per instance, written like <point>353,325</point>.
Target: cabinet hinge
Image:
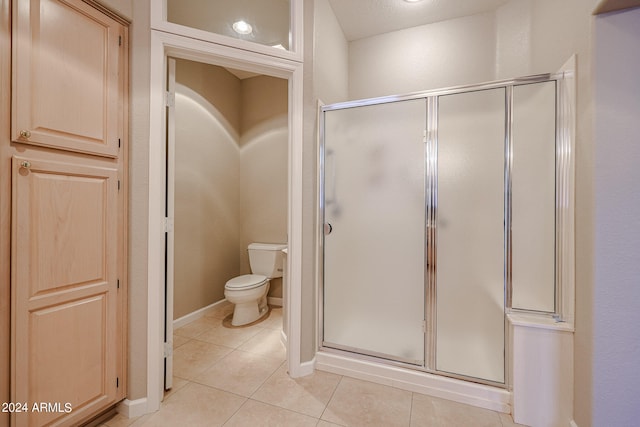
<point>119,40</point>
<point>168,225</point>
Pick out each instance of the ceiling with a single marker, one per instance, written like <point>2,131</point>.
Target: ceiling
<point>365,18</point>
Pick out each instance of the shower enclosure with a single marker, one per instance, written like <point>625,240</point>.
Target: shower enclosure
<point>441,212</point>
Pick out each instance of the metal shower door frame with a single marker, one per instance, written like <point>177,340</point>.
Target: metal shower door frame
<point>564,189</point>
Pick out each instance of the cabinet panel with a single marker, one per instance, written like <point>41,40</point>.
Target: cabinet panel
<point>67,76</point>
<point>64,275</point>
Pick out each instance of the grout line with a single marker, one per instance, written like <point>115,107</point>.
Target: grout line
<point>236,411</point>
<point>331,397</point>
<point>411,409</point>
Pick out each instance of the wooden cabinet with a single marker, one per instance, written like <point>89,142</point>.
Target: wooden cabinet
<point>65,287</point>
<point>67,77</point>
<point>63,208</point>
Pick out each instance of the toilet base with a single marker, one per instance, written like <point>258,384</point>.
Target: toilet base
<point>248,312</point>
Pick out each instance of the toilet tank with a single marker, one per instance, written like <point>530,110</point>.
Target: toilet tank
<point>266,259</point>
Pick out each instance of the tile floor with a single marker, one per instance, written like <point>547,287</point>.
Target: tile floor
<point>227,376</point>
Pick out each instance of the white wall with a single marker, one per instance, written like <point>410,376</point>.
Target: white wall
<point>560,29</point>
<point>324,46</point>
<point>450,53</point>
<point>513,39</point>
<point>616,293</point>
<point>331,54</point>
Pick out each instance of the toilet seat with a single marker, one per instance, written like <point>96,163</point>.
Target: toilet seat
<point>246,282</point>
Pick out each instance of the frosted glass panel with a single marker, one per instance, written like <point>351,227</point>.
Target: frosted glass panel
<point>533,197</point>
<point>266,22</point>
<point>470,235</point>
<point>374,189</point>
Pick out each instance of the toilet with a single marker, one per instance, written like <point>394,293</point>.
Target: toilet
<point>249,291</point>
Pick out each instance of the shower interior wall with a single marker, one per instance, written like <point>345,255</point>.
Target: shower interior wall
<point>230,178</point>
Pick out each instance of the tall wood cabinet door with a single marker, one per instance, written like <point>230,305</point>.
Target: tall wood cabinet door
<point>65,341</point>
<point>66,76</point>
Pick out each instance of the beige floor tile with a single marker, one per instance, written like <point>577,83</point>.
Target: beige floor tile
<point>195,328</point>
<point>274,320</point>
<point>507,421</point>
<point>432,411</point>
<point>179,340</point>
<point>308,395</point>
<point>195,405</point>
<point>323,423</point>
<point>140,421</point>
<point>178,383</point>
<point>119,421</point>
<point>257,414</point>
<point>220,311</point>
<point>228,336</point>
<point>267,342</point>
<point>194,357</point>
<point>239,372</point>
<point>362,403</point>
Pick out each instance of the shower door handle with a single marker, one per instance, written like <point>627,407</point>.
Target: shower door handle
<point>327,228</point>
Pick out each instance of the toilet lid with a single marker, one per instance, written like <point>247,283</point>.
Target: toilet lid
<point>247,281</point>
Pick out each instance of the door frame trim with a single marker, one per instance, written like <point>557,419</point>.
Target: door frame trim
<point>165,44</point>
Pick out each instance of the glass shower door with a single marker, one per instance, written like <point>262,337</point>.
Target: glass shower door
<point>374,243</point>
<point>470,240</point>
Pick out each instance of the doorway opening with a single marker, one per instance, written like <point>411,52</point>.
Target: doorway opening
<point>226,187</point>
<point>164,46</point>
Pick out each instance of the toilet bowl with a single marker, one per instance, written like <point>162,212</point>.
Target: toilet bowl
<point>249,292</point>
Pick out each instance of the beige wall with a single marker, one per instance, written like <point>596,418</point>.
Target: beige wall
<point>207,185</point>
<point>231,178</point>
<point>263,167</point>
<point>139,82</point>
<point>217,87</point>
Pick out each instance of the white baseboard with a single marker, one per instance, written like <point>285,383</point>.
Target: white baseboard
<point>493,398</point>
<point>277,301</point>
<point>188,318</point>
<point>573,424</point>
<point>307,368</point>
<point>132,408</point>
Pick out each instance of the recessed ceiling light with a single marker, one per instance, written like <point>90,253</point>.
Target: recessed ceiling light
<point>241,27</point>
<point>412,1</point>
